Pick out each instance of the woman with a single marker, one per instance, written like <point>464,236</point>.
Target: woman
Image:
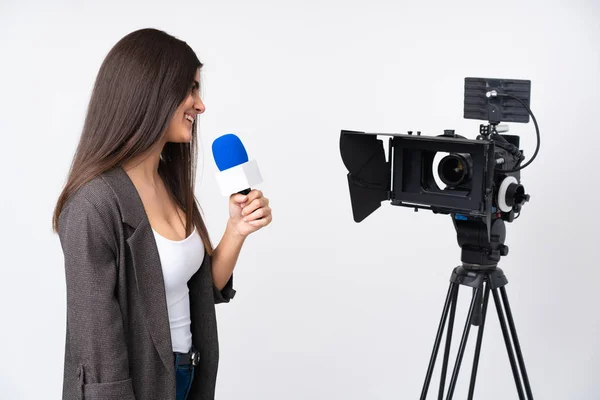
<point>142,276</point>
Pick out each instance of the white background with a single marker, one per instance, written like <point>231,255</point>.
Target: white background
<point>326,308</point>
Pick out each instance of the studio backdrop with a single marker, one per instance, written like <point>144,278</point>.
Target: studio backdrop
<point>328,308</point>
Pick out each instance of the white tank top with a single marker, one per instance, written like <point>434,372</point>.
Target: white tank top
<point>180,259</point>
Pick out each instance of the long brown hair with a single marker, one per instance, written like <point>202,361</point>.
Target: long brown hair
<point>140,84</point>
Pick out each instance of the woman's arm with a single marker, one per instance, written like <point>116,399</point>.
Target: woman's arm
<point>247,214</point>
<point>225,256</point>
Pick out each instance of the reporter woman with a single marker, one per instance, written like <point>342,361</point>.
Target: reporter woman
<point>142,276</point>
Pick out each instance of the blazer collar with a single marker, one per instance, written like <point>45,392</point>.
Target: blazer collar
<point>146,261</point>
<point>130,203</point>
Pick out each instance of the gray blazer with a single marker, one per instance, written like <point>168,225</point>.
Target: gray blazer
<point>118,341</point>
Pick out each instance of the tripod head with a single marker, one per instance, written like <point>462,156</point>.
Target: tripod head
<point>479,252</point>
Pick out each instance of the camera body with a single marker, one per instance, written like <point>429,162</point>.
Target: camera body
<point>471,174</point>
<point>446,174</point>
<point>472,180</point>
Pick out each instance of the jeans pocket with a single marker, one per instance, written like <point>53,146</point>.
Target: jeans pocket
<point>192,369</point>
<point>183,377</point>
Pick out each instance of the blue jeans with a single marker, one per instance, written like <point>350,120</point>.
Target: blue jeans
<point>184,375</point>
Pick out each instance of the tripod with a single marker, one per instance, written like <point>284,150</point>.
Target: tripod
<point>479,271</point>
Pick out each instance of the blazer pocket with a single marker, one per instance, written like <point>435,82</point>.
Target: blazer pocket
<point>119,390</point>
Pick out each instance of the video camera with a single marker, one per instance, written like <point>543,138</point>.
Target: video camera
<point>476,181</point>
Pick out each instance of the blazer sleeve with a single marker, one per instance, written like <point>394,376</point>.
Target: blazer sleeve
<point>225,294</point>
<point>95,335</point>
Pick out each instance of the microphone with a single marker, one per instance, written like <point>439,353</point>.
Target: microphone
<point>236,173</point>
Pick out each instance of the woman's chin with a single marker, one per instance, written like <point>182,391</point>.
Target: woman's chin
<point>184,138</point>
<point>180,136</point>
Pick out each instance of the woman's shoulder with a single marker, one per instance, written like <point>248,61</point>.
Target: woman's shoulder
<point>94,196</point>
<point>90,218</point>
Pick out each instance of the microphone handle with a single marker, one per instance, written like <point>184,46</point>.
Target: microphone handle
<point>245,192</point>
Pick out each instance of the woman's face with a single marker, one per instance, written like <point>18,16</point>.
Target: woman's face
<point>180,126</point>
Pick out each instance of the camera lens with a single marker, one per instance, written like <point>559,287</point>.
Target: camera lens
<point>455,169</point>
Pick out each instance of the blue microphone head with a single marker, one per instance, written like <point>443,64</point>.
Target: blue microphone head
<point>228,151</point>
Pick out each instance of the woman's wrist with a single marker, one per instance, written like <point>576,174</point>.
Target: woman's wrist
<point>232,233</point>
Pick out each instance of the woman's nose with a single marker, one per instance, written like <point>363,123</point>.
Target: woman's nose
<point>199,106</point>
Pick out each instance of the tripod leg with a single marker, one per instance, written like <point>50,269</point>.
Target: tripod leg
<point>513,331</point>
<point>477,313</point>
<point>438,338</point>
<point>479,340</point>
<point>509,350</point>
<point>448,342</point>
<point>463,343</point>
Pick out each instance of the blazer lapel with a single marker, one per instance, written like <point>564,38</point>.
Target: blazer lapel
<point>146,262</point>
